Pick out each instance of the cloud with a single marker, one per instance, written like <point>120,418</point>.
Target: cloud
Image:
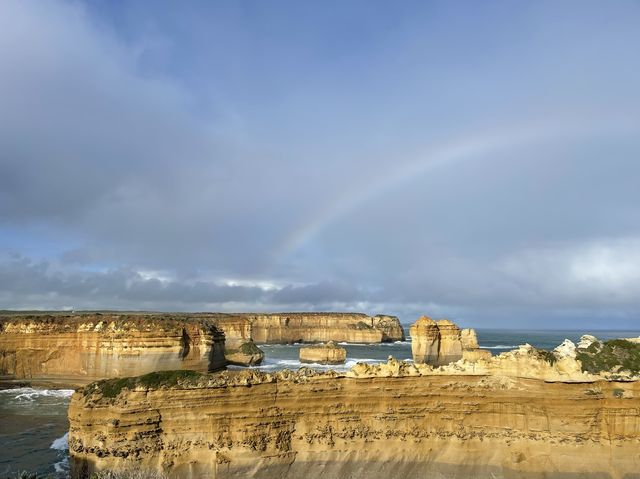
<point>592,274</point>
<point>279,159</point>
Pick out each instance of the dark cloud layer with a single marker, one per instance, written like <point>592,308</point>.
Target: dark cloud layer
<point>479,163</point>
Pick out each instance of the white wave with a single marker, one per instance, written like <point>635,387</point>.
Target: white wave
<point>61,444</point>
<point>499,346</point>
<point>62,467</point>
<point>396,343</point>
<point>294,364</point>
<point>30,394</point>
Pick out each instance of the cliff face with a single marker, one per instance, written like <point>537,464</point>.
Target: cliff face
<point>323,327</point>
<point>393,420</point>
<point>83,348</point>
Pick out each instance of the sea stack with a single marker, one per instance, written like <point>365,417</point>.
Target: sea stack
<point>450,342</point>
<point>425,340</point>
<point>443,342</point>
<point>329,353</point>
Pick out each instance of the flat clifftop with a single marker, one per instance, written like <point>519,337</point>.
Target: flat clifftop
<point>59,322</point>
<point>79,348</point>
<point>238,327</point>
<point>390,420</point>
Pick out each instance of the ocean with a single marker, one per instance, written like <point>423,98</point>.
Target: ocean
<point>33,422</point>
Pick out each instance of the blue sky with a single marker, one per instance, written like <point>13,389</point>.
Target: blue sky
<point>474,160</point>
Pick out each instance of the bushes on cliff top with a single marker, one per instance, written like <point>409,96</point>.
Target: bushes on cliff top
<point>617,354</point>
<point>111,387</point>
<point>361,325</point>
<point>548,356</point>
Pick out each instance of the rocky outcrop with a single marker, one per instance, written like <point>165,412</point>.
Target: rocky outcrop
<point>443,342</point>
<point>246,354</point>
<point>329,353</point>
<point>76,349</point>
<point>286,328</point>
<point>395,419</point>
<point>469,339</point>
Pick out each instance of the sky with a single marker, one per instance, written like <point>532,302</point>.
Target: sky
<point>478,161</point>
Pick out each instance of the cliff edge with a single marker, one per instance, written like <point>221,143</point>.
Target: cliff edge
<point>526,413</point>
<point>77,349</point>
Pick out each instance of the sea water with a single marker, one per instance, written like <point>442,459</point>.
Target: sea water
<point>33,422</point>
<point>33,431</point>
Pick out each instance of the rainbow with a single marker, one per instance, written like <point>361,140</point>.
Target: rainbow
<point>467,148</point>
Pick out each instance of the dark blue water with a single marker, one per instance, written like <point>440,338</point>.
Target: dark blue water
<point>33,423</point>
<point>503,340</point>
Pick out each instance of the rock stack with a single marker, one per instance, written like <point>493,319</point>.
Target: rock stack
<point>329,353</point>
<point>443,342</point>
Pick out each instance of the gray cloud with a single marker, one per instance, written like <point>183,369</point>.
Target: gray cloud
<point>143,166</point>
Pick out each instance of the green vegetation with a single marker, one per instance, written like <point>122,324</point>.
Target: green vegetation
<point>548,356</point>
<point>618,393</point>
<point>110,388</point>
<point>617,354</point>
<point>361,325</point>
<point>249,348</point>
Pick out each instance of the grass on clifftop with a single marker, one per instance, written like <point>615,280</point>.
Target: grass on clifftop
<point>548,356</point>
<point>614,354</point>
<point>110,388</point>
<point>361,326</point>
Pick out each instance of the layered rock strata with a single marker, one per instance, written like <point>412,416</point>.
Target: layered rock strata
<point>443,342</point>
<point>322,327</point>
<point>329,353</point>
<point>76,349</point>
<point>376,421</point>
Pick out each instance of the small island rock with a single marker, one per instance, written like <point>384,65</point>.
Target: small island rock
<point>329,353</point>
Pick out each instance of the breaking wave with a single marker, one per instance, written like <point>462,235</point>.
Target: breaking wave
<point>499,346</point>
<point>30,394</point>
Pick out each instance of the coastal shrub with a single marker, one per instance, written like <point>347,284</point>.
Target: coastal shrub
<point>361,325</point>
<point>548,356</point>
<point>249,348</point>
<point>618,393</point>
<point>618,354</point>
<point>110,388</point>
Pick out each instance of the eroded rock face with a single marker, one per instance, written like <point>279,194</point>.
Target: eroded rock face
<point>443,342</point>
<point>377,421</point>
<point>425,341</point>
<point>283,328</point>
<point>469,339</point>
<point>76,349</point>
<point>329,353</point>
<point>450,342</point>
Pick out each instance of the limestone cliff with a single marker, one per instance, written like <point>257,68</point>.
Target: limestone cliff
<point>391,420</point>
<point>323,327</point>
<point>76,349</point>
